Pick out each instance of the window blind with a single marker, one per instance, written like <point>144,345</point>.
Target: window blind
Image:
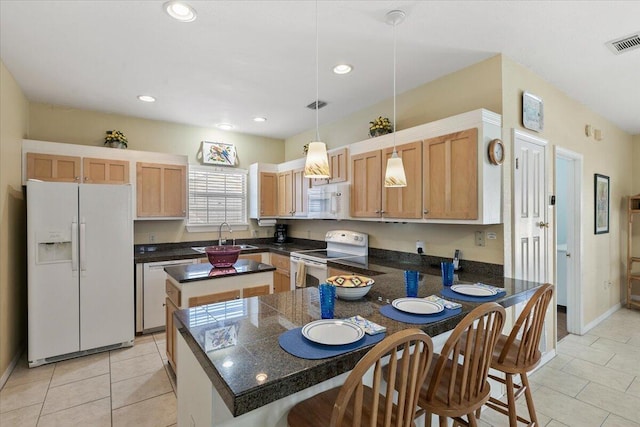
<point>217,195</point>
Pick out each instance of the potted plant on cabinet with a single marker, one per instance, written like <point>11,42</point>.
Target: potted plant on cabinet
<point>115,139</point>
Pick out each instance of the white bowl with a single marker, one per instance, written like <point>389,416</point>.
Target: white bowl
<point>351,287</point>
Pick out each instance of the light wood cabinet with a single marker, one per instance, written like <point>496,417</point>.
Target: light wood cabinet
<point>366,185</point>
<point>255,291</point>
<point>450,171</point>
<point>338,167</point>
<point>285,194</point>
<point>254,257</point>
<point>281,277</point>
<point>369,197</point>
<point>171,334</point>
<point>105,171</point>
<point>50,167</point>
<point>214,298</point>
<point>268,196</point>
<point>404,202</point>
<point>161,190</point>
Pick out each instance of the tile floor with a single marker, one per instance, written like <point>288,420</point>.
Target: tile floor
<point>125,387</point>
<point>593,381</point>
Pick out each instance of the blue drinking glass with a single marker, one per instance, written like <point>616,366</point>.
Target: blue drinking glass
<point>446,269</point>
<point>411,283</point>
<point>327,300</point>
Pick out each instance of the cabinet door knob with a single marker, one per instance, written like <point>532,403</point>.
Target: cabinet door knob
<point>77,178</point>
<point>426,211</point>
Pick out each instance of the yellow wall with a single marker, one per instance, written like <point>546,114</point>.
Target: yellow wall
<point>14,109</point>
<point>478,86</point>
<point>60,124</point>
<point>564,123</point>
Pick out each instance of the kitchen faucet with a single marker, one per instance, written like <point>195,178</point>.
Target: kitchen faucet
<point>222,241</point>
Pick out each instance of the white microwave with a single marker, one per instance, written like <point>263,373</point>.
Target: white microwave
<point>330,201</point>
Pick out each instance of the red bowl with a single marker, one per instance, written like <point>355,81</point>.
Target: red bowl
<point>222,256</point>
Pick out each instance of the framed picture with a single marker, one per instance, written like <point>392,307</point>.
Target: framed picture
<point>218,153</point>
<point>601,196</point>
<point>532,112</point>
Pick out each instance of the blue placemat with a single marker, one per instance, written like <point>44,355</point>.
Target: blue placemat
<point>294,343</point>
<point>449,294</point>
<point>417,319</point>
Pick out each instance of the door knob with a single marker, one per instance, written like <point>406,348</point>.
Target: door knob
<point>543,224</point>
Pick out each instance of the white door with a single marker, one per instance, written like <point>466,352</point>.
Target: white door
<point>569,235</point>
<point>530,224</point>
<point>106,265</point>
<point>53,295</point>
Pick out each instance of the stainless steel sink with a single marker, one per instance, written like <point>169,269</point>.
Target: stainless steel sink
<point>201,249</point>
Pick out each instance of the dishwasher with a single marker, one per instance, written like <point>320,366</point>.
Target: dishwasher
<point>153,293</point>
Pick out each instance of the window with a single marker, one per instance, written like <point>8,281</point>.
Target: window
<point>217,195</point>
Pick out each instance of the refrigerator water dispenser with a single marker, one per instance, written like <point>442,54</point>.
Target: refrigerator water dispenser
<point>53,246</point>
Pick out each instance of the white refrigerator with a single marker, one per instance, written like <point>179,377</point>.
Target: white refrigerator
<point>80,269</point>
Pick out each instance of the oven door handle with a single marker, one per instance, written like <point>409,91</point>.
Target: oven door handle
<point>308,262</point>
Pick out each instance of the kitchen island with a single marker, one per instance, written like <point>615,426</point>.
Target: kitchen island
<point>247,379</point>
<point>200,284</point>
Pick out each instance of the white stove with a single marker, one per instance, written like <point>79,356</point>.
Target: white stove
<point>341,244</point>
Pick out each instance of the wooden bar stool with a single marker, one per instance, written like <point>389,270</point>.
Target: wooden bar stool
<point>517,356</point>
<point>458,383</point>
<point>356,404</point>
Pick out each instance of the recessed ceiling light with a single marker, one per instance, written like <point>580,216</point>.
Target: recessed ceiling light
<point>224,126</point>
<point>259,119</point>
<point>146,98</point>
<point>180,11</point>
<point>342,69</point>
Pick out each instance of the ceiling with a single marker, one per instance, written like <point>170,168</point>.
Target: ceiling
<point>241,59</point>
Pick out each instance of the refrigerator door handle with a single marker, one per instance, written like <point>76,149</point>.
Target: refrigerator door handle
<point>74,245</point>
<point>83,255</point>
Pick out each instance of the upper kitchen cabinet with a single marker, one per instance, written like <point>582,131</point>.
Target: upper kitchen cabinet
<point>301,187</point>
<point>338,166</point>
<point>53,167</point>
<point>263,190</point>
<point>105,171</point>
<point>456,181</point>
<point>369,197</point>
<point>366,185</point>
<point>161,190</point>
<point>285,194</point>
<point>450,165</point>
<point>404,202</point>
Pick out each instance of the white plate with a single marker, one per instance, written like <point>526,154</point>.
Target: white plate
<point>332,332</point>
<point>417,306</point>
<point>474,291</point>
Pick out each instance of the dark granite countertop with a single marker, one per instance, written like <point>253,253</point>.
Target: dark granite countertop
<point>262,372</point>
<point>195,272</point>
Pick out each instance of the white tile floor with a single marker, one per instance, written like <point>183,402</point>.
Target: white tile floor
<point>125,387</point>
<point>593,381</point>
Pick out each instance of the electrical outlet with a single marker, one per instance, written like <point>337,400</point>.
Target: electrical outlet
<point>255,233</point>
<point>480,238</point>
<point>152,238</point>
<point>491,235</point>
<point>420,247</point>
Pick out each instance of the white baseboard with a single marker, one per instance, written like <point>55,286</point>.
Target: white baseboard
<point>599,319</point>
<point>10,368</point>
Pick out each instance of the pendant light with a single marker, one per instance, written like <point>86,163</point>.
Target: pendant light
<point>394,175</point>
<point>317,162</point>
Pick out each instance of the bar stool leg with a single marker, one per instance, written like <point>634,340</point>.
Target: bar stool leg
<point>511,401</point>
<point>529,398</point>
<point>443,422</point>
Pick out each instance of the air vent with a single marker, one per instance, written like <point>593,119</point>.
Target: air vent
<point>624,44</point>
<point>312,106</point>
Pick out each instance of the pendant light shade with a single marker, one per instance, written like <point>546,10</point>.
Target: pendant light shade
<point>394,175</point>
<point>316,164</point>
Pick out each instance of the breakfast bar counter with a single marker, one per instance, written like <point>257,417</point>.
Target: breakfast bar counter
<point>232,370</point>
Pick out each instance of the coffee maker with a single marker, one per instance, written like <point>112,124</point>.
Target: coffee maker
<point>280,235</point>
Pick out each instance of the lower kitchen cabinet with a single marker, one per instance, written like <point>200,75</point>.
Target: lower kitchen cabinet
<point>281,277</point>
<point>256,291</point>
<point>214,298</point>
